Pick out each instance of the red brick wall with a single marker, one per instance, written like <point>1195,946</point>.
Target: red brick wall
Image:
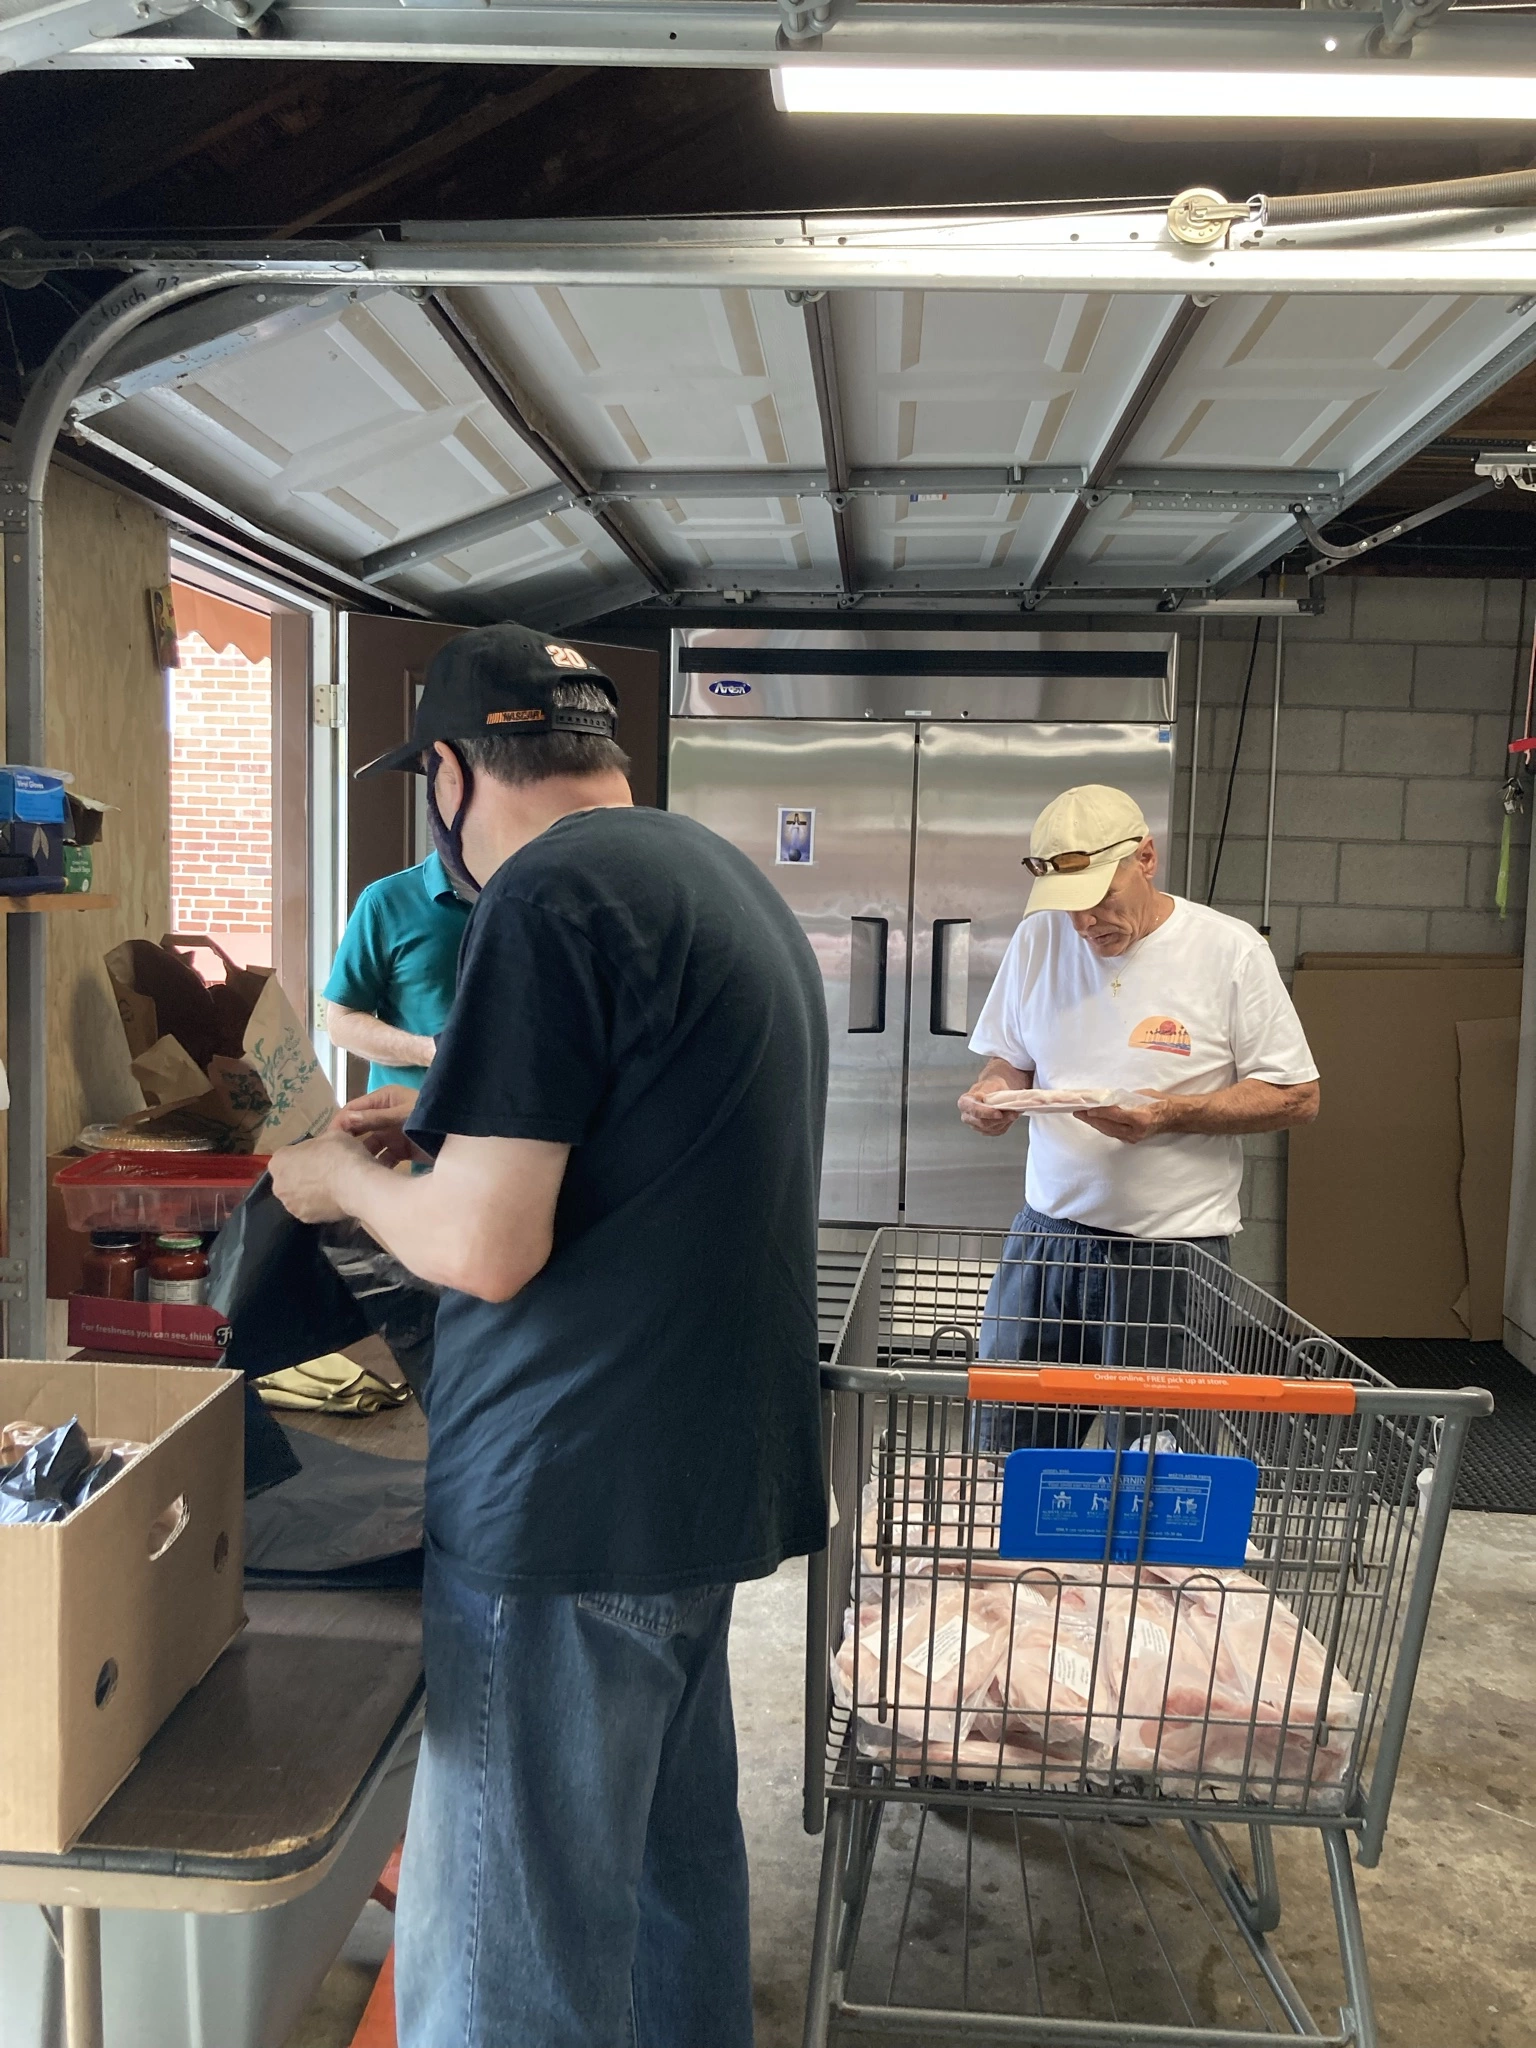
<point>221,795</point>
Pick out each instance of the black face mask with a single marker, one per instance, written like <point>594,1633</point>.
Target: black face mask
<point>448,840</point>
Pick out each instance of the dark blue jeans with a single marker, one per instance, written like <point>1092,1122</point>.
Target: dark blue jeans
<point>574,1873</point>
<point>1067,1295</point>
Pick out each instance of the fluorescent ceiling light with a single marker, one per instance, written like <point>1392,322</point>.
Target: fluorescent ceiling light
<point>1360,92</point>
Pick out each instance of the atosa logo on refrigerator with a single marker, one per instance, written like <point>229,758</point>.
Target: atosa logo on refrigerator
<point>728,687</point>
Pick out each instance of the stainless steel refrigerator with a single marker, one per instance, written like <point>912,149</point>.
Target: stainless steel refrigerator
<point>886,784</point>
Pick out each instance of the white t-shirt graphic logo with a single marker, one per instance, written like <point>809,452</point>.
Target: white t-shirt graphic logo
<point>1162,1034</point>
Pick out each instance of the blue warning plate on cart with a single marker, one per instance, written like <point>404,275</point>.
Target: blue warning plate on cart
<point>1056,1506</point>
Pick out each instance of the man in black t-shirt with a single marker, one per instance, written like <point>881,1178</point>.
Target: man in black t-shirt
<point>625,1121</point>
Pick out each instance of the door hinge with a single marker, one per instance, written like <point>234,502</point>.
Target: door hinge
<point>13,1279</point>
<point>328,705</point>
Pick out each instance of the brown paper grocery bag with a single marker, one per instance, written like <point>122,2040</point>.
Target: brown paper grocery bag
<point>278,1051</point>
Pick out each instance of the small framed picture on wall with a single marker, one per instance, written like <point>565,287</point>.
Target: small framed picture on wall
<point>162,625</point>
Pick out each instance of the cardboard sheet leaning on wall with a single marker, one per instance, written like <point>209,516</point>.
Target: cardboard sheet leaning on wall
<point>228,1059</point>
<point>1393,1218</point>
<point>1489,1048</point>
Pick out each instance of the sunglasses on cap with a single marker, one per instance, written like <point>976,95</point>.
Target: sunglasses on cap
<point>1073,863</point>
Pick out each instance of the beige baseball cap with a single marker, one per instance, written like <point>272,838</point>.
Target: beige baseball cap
<point>1092,819</point>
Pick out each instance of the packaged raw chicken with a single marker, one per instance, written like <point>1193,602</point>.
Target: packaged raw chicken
<point>1252,1710</point>
<point>1077,1674</point>
<point>920,1678</point>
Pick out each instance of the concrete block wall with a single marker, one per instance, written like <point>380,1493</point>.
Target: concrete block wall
<point>1394,729</point>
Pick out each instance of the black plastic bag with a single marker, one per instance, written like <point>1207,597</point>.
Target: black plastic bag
<point>396,1305</point>
<point>54,1477</point>
<point>275,1289</point>
<point>348,1517</point>
<point>292,1291</point>
<point>269,1458</point>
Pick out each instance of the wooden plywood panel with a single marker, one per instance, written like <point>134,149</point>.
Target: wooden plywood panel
<point>107,722</point>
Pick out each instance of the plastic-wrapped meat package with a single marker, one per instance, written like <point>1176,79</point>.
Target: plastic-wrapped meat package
<point>1200,1680</point>
<point>1262,1716</point>
<point>943,1503</point>
<point>1049,1673</point>
<point>935,1677</point>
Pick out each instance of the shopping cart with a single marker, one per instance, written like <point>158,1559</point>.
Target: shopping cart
<point>982,1727</point>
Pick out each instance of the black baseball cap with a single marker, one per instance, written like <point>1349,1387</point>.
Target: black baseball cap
<point>498,682</point>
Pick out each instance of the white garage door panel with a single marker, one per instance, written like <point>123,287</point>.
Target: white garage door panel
<point>356,435</point>
<point>1301,382</point>
<point>1007,534</point>
<point>743,533</point>
<point>664,379</point>
<point>1119,544</point>
<point>942,377</point>
<point>370,423</point>
<point>528,551</point>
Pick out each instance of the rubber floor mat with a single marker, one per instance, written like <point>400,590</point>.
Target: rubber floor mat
<point>1498,1467</point>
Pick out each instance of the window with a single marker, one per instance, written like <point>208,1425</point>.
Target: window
<point>221,775</point>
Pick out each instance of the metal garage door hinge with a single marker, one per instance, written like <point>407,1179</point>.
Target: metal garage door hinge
<point>13,1279</point>
<point>329,709</point>
<point>14,505</point>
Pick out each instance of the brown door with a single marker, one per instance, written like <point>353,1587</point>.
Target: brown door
<point>382,656</point>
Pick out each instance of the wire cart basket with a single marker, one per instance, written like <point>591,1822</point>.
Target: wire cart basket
<point>1057,1766</point>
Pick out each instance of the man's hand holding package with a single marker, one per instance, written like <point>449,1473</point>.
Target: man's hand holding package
<point>996,1078</point>
<point>482,1221</point>
<point>379,1120</point>
<point>1132,1122</point>
<point>316,1181</point>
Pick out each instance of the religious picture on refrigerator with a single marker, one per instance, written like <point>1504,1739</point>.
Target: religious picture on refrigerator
<point>797,839</point>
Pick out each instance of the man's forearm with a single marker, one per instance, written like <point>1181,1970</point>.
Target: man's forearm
<point>481,1222</point>
<point>997,1073</point>
<point>1243,1110</point>
<point>372,1039</point>
<point>407,1215</point>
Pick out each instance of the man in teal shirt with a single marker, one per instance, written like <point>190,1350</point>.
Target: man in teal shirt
<point>392,982</point>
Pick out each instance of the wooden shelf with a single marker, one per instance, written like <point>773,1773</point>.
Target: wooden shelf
<point>57,899</point>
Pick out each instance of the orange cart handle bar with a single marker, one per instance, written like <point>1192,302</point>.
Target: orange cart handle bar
<point>1085,1386</point>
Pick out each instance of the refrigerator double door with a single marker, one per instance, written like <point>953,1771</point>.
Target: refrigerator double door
<point>909,889</point>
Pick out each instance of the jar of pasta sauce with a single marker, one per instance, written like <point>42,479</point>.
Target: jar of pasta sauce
<point>178,1270</point>
<point>112,1265</point>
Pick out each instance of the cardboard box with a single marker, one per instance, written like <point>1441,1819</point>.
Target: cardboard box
<point>1375,1237</point>
<point>31,859</point>
<point>1333,963</point>
<point>156,1329</point>
<point>112,1615</point>
<point>33,796</point>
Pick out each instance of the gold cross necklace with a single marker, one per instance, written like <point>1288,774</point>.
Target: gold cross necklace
<point>1162,916</point>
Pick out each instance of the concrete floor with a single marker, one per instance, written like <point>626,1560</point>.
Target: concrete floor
<point>1450,1915</point>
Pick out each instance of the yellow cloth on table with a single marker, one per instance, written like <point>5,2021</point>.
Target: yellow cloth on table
<point>333,1385</point>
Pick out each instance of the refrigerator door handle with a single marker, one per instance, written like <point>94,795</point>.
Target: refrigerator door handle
<point>869,941</point>
<point>949,998</point>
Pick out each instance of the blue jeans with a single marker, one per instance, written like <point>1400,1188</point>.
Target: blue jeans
<point>574,1871</point>
<point>1067,1295</point>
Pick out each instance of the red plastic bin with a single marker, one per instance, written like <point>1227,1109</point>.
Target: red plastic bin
<point>153,1191</point>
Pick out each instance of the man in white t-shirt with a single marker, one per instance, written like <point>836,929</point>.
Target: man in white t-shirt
<point>1123,987</point>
